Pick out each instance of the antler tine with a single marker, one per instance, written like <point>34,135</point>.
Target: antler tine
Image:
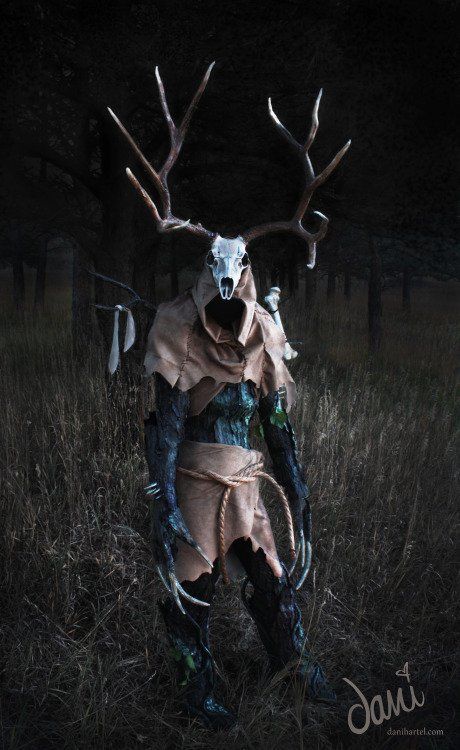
<point>294,225</point>
<point>303,150</point>
<point>193,104</point>
<point>172,223</point>
<point>282,128</point>
<point>314,123</point>
<point>145,163</point>
<point>145,196</point>
<point>168,222</point>
<point>164,103</point>
<point>318,180</point>
<point>177,134</point>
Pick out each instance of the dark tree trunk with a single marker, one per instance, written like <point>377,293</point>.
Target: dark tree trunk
<point>115,259</point>
<point>311,309</point>
<point>152,287</point>
<point>262,278</point>
<point>281,276</point>
<point>144,283</point>
<point>40,278</point>
<point>311,284</point>
<point>144,274</point>
<point>274,276</point>
<point>19,287</point>
<point>83,332</point>
<point>174,278</point>
<point>406,281</point>
<point>347,285</point>
<point>117,251</point>
<point>151,296</point>
<point>331,280</point>
<point>293,275</point>
<point>374,300</point>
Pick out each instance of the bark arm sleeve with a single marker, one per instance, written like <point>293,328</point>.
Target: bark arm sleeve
<point>282,447</point>
<point>172,408</point>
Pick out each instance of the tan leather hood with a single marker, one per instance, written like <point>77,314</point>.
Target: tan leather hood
<point>205,290</point>
<point>195,354</point>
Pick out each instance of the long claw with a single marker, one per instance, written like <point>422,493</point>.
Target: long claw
<point>163,579</point>
<point>302,549</point>
<point>180,590</point>
<point>198,549</point>
<point>177,589</point>
<point>190,598</point>
<point>187,539</point>
<point>300,552</point>
<point>294,562</point>
<point>153,489</point>
<point>175,592</point>
<point>302,578</point>
<point>306,568</point>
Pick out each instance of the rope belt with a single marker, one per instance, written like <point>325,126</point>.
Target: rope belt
<point>229,483</point>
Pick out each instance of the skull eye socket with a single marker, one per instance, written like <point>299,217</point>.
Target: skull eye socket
<point>210,259</point>
<point>245,260</point>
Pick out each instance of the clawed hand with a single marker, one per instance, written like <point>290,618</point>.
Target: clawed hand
<point>168,526</point>
<point>303,547</point>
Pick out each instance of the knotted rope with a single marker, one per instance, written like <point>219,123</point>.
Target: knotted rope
<point>235,480</point>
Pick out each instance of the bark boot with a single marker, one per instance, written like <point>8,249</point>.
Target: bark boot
<point>188,636</point>
<point>278,619</point>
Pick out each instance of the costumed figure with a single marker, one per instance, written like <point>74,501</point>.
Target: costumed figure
<point>217,359</point>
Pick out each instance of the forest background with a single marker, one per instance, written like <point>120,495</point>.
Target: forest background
<point>84,663</point>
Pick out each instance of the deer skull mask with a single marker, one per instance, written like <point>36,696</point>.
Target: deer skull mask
<point>227,258</point>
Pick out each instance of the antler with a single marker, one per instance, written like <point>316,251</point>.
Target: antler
<point>312,182</point>
<point>168,222</point>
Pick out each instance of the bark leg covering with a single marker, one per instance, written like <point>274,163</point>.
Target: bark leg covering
<point>188,635</point>
<point>278,620</point>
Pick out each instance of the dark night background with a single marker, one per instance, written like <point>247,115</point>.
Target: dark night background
<point>388,70</point>
<point>82,657</point>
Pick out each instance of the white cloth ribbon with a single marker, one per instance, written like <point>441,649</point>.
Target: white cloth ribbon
<point>130,336</point>
<point>130,332</point>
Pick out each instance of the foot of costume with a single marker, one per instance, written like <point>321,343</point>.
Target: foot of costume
<point>278,620</point>
<point>188,635</point>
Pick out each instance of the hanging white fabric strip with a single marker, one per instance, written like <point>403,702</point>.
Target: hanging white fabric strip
<point>130,336</point>
<point>115,350</point>
<point>130,332</point>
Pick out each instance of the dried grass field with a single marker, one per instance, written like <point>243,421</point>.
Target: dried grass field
<point>83,659</point>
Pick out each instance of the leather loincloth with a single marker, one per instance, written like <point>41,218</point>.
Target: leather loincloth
<point>200,499</point>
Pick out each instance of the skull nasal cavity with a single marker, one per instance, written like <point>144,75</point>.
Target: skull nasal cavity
<point>226,287</point>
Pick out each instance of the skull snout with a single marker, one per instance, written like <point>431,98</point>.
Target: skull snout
<point>226,287</point>
<point>227,259</point>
